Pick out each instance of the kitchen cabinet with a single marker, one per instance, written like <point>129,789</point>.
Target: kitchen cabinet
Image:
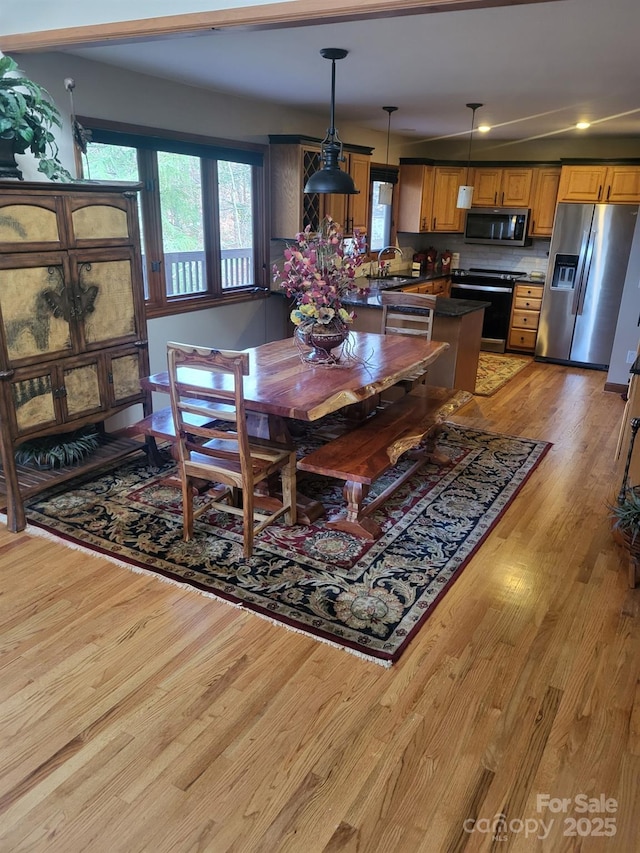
<point>525,317</point>
<point>352,211</point>
<point>428,196</point>
<point>437,286</point>
<point>617,184</point>
<point>73,342</point>
<point>416,197</point>
<point>502,187</point>
<point>293,159</point>
<point>543,206</point>
<point>457,322</point>
<point>445,215</point>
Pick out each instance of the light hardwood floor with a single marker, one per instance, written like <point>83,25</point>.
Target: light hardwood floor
<point>138,716</point>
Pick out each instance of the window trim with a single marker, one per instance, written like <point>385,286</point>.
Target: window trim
<point>147,141</point>
<point>377,172</point>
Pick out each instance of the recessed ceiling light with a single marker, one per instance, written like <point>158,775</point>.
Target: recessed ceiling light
<point>484,128</point>
<point>583,125</point>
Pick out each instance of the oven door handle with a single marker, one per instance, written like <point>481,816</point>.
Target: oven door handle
<point>486,288</point>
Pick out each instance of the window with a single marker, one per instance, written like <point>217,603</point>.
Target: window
<point>199,207</point>
<point>381,226</point>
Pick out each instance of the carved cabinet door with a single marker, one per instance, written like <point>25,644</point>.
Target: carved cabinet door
<point>106,297</point>
<point>44,396</point>
<point>36,310</point>
<point>125,368</point>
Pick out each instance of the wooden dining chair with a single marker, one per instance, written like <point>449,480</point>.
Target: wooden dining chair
<point>221,452</point>
<point>397,320</point>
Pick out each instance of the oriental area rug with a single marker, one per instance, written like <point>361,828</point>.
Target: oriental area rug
<point>495,370</point>
<point>369,598</point>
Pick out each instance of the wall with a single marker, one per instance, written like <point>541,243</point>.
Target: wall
<point>104,91</point>
<point>627,334</point>
<point>522,259</point>
<point>111,93</point>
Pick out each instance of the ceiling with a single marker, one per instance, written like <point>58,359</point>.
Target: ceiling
<point>538,68</point>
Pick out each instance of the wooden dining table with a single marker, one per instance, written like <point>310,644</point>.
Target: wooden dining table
<point>282,386</point>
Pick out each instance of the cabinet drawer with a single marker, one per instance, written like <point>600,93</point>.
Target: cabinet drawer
<point>531,290</point>
<point>525,319</point>
<point>527,303</point>
<point>522,339</point>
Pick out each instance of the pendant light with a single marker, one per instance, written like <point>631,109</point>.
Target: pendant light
<point>330,178</point>
<point>465,192</point>
<point>385,193</point>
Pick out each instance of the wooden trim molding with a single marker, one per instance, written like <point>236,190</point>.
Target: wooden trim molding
<point>271,15</point>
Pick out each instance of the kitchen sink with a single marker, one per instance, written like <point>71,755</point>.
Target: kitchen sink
<point>390,280</point>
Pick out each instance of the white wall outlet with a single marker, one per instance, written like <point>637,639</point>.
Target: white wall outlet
<point>631,356</point>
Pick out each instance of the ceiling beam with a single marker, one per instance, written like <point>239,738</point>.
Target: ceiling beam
<point>269,16</point>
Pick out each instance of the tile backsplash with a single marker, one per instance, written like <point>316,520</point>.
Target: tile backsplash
<point>522,259</point>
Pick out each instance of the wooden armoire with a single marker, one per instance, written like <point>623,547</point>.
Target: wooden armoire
<point>73,339</point>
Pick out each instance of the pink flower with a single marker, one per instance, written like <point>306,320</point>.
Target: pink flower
<point>318,272</point>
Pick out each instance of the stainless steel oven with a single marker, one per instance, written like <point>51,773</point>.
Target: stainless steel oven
<point>495,287</point>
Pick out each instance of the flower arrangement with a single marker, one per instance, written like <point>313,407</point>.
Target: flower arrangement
<point>318,272</point>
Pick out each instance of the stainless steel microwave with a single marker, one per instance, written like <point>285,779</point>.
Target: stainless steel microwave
<point>497,226</point>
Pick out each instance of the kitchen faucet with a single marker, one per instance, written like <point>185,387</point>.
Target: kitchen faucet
<point>383,269</point>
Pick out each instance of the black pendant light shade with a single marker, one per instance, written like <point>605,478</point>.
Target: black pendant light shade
<point>330,178</point>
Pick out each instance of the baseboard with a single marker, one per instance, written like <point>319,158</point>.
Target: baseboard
<point>616,388</point>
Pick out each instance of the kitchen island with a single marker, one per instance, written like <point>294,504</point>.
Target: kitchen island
<point>456,321</point>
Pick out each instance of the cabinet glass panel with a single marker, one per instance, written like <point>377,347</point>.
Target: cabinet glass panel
<point>33,402</point>
<point>106,296</point>
<point>35,311</point>
<point>310,201</point>
<point>83,389</point>
<point>26,223</point>
<point>99,221</point>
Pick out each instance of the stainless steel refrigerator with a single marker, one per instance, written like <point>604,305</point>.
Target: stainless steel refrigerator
<point>588,259</point>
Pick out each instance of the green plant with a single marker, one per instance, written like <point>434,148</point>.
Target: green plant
<point>56,451</point>
<point>626,513</point>
<point>27,116</point>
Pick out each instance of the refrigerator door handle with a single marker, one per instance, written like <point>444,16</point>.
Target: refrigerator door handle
<point>581,289</point>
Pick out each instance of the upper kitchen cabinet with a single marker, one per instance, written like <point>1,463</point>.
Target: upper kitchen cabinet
<point>502,187</point>
<point>446,216</point>
<point>619,184</point>
<point>352,211</point>
<point>416,197</point>
<point>428,196</point>
<point>543,206</point>
<point>293,160</point>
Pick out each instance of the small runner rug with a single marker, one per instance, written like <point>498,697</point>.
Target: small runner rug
<point>367,597</point>
<point>495,370</point>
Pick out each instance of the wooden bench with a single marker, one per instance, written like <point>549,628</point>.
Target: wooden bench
<point>362,454</point>
<point>159,425</point>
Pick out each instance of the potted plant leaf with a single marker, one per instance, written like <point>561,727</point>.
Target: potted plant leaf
<point>27,117</point>
<point>626,519</point>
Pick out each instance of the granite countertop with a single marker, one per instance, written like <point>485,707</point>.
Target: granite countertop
<point>528,279</point>
<point>445,306</point>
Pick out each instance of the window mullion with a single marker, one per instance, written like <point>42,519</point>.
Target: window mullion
<point>152,224</point>
<point>211,212</point>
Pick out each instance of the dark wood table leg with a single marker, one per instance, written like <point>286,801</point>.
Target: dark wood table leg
<point>277,429</point>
